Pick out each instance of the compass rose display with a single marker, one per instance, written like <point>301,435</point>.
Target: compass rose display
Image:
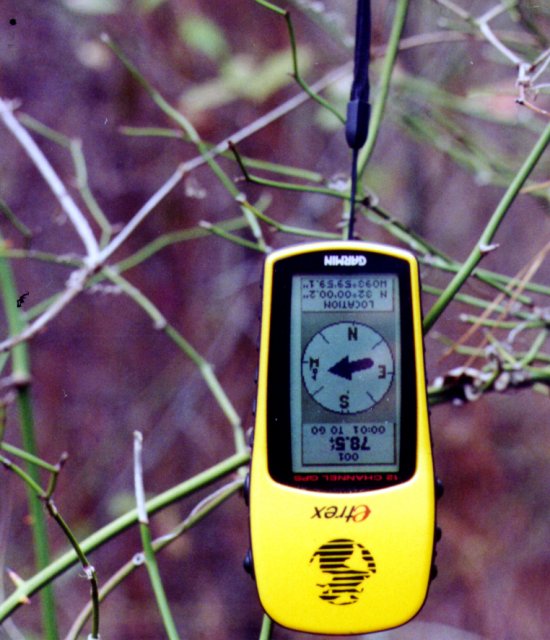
<point>347,367</point>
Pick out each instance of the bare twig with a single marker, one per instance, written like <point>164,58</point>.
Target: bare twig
<point>47,497</point>
<point>146,209</point>
<point>483,24</point>
<point>74,286</point>
<point>186,167</point>
<point>143,518</point>
<point>490,230</point>
<point>200,511</point>
<point>147,542</point>
<point>532,107</point>
<point>528,72</point>
<point>67,203</point>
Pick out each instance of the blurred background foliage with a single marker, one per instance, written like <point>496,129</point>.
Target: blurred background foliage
<point>452,139</point>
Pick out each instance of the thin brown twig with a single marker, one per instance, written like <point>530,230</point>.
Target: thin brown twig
<point>532,107</point>
<point>525,275</point>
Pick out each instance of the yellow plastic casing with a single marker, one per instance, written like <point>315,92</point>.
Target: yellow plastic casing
<point>342,563</point>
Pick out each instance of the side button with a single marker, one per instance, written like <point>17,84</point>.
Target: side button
<point>250,437</point>
<point>439,490</point>
<point>246,490</point>
<point>248,564</point>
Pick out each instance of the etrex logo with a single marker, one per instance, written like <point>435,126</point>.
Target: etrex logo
<point>345,261</point>
<point>355,513</point>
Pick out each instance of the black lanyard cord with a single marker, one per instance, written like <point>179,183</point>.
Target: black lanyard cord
<point>358,112</point>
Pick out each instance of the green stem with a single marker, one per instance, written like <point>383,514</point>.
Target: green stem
<point>31,484</point>
<point>207,154</point>
<point>289,229</point>
<point>379,106</point>
<point>173,114</point>
<point>21,376</point>
<point>168,239</point>
<point>298,76</point>
<point>499,281</point>
<point>133,260</point>
<point>489,232</point>
<point>267,625</point>
<point>89,570</point>
<point>204,367</point>
<point>296,67</point>
<point>399,230</point>
<point>5,209</point>
<point>241,242</point>
<point>534,353</point>
<point>81,170</point>
<point>431,256</point>
<point>197,514</point>
<point>52,510</point>
<point>75,148</point>
<point>272,7</point>
<point>156,582</point>
<point>264,165</point>
<point>40,532</point>
<point>46,497</point>
<point>115,528</point>
<point>501,324</point>
<point>147,543</point>
<point>25,455</point>
<point>289,186</point>
<point>479,303</point>
<point>535,350</point>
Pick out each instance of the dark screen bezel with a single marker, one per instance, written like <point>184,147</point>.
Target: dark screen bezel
<point>278,373</point>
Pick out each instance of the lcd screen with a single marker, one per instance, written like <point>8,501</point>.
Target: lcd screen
<point>345,373</point>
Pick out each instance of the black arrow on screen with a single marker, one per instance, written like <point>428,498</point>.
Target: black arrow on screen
<point>345,368</point>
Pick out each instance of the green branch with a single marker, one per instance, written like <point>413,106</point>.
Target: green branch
<point>147,543</point>
<point>289,186</point>
<point>486,239</point>
<point>172,113</point>
<point>115,528</point>
<point>47,498</point>
<point>21,376</point>
<point>264,165</point>
<point>289,229</point>
<point>204,367</point>
<point>295,63</point>
<point>267,627</point>
<point>204,508</point>
<point>231,237</point>
<point>6,211</point>
<point>207,154</point>
<point>25,455</point>
<point>379,106</point>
